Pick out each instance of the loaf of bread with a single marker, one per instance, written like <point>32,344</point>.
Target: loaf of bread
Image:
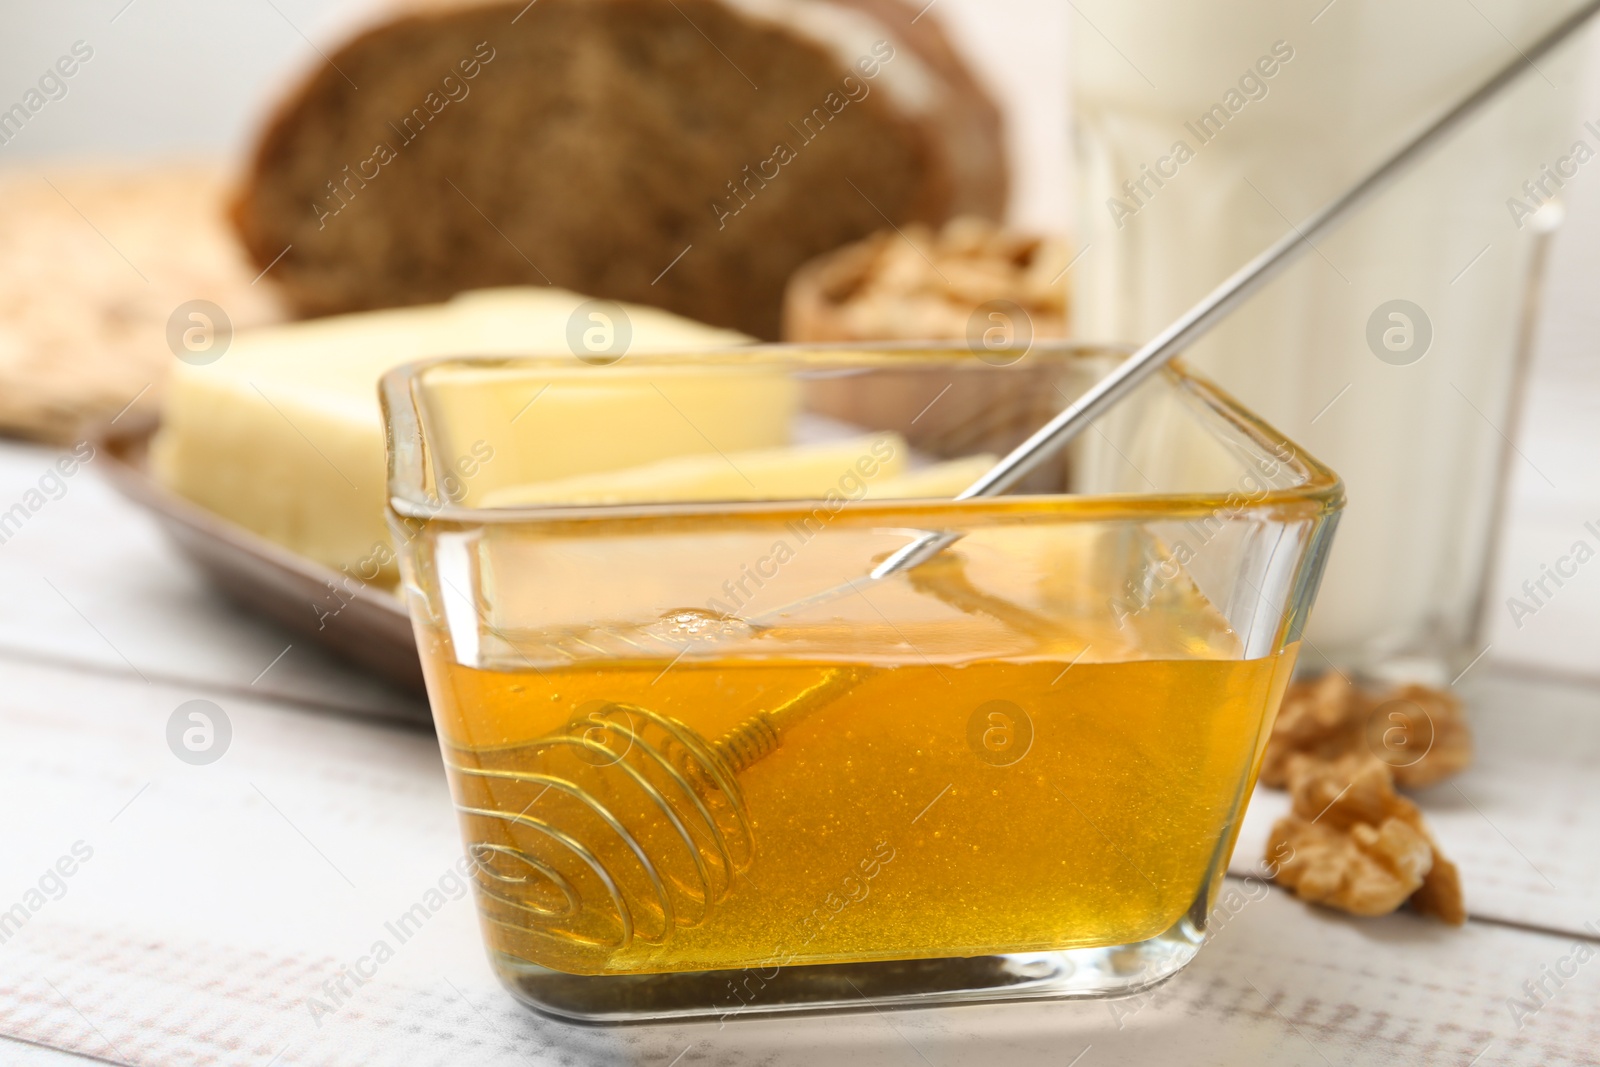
<point>687,154</point>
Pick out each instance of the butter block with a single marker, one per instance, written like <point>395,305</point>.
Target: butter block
<point>283,434</point>
<point>799,472</point>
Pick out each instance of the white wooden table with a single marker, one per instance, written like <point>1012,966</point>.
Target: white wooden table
<point>217,899</point>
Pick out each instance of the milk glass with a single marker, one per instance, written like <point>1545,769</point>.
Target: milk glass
<point>1203,130</point>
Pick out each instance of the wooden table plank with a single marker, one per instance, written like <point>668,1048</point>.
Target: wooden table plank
<point>90,580</point>
<point>15,1053</point>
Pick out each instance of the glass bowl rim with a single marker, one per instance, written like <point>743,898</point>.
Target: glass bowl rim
<point>1318,488</point>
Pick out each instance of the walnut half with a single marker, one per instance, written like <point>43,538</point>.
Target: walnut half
<point>1320,717</point>
<point>918,284</point>
<point>1420,732</point>
<point>1351,842</point>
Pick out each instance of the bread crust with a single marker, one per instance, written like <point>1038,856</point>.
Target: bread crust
<point>971,126</point>
<point>613,228</point>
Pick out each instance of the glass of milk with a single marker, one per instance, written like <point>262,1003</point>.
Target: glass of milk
<point>1204,130</point>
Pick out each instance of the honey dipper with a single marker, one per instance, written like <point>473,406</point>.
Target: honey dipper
<point>666,802</point>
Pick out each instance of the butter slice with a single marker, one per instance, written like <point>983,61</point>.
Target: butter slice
<point>283,434</point>
<point>799,472</point>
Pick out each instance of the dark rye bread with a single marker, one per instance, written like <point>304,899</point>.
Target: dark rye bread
<point>589,143</point>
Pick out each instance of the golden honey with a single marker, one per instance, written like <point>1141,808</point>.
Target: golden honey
<point>918,809</point>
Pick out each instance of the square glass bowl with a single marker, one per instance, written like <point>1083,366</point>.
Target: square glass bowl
<point>692,787</point>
